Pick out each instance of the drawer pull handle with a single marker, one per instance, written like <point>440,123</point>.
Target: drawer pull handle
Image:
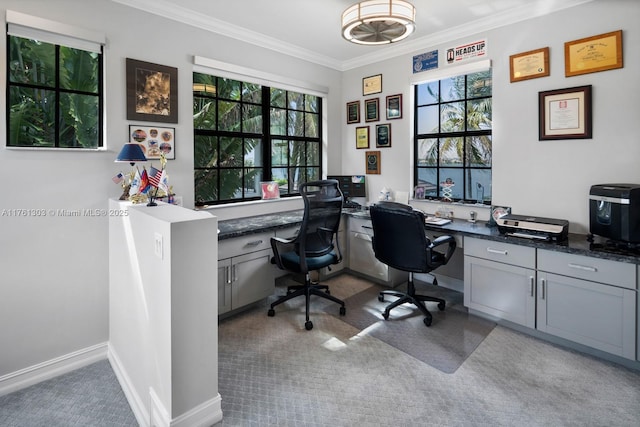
<point>496,251</point>
<point>531,285</point>
<point>583,267</point>
<point>368,227</point>
<point>254,243</point>
<point>543,283</point>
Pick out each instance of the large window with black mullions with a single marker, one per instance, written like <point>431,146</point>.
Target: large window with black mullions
<point>452,143</point>
<point>246,133</point>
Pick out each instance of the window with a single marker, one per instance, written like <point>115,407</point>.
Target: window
<point>54,90</point>
<point>245,133</point>
<point>452,144</point>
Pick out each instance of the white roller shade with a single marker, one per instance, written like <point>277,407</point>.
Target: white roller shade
<point>31,27</point>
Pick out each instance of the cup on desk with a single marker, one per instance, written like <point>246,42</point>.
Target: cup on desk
<point>473,215</point>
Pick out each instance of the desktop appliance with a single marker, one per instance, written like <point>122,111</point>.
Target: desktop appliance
<point>614,212</point>
<point>351,186</point>
<point>532,227</point>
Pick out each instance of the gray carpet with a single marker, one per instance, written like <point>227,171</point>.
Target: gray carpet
<point>445,345</point>
<point>89,396</point>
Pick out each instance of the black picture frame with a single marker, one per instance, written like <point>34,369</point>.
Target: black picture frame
<point>152,92</point>
<point>383,135</point>
<point>353,112</point>
<point>372,110</point>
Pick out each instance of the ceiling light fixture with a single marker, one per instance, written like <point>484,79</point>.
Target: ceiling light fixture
<point>375,22</point>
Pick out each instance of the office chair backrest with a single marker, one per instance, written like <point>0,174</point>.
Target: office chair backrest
<point>399,238</point>
<point>321,220</point>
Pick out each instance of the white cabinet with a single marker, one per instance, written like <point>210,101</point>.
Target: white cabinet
<point>245,272</point>
<point>362,259</point>
<point>588,300</point>
<point>499,280</point>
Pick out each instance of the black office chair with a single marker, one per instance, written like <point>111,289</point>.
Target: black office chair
<point>399,240</point>
<point>315,246</point>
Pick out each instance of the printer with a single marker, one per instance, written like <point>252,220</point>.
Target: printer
<point>533,227</point>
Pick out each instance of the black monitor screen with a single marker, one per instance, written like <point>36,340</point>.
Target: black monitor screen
<point>351,185</point>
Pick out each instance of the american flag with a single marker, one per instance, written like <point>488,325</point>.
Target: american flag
<point>118,178</point>
<point>154,176</point>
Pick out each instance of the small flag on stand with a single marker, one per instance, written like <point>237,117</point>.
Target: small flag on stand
<point>144,182</point>
<point>118,178</point>
<point>135,184</point>
<point>154,177</point>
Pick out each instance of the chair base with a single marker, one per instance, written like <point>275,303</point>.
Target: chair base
<point>309,288</point>
<point>411,297</point>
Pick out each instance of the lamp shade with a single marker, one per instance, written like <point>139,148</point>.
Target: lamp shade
<point>131,153</point>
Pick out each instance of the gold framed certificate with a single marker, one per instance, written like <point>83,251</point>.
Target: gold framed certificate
<point>529,65</point>
<point>593,54</point>
<point>362,137</point>
<point>371,85</point>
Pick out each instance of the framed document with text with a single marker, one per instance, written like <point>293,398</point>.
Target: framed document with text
<point>593,54</point>
<point>529,65</point>
<point>565,113</point>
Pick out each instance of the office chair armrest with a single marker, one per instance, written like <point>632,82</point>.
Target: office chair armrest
<point>442,240</point>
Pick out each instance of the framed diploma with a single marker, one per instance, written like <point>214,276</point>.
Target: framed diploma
<point>529,65</point>
<point>362,137</point>
<point>565,113</point>
<point>371,85</point>
<point>593,54</point>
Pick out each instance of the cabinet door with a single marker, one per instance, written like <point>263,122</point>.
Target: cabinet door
<point>224,285</point>
<point>593,314</point>
<point>500,290</point>
<point>252,277</point>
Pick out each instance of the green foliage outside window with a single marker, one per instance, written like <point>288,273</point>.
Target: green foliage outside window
<point>54,95</point>
<point>245,133</point>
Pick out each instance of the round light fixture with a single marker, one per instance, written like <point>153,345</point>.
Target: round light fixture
<point>375,22</point>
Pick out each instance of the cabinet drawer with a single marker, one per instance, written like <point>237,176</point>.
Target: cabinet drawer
<point>583,267</point>
<point>241,245</point>
<point>508,253</point>
<point>360,225</point>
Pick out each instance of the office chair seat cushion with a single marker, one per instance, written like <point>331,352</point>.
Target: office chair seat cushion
<point>291,261</point>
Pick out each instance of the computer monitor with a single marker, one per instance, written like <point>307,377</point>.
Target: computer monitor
<point>351,185</point>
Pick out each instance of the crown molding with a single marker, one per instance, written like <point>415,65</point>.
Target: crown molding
<point>178,13</point>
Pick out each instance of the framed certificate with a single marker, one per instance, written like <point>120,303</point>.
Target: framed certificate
<point>371,85</point>
<point>362,137</point>
<point>565,113</point>
<point>529,65</point>
<point>592,54</point>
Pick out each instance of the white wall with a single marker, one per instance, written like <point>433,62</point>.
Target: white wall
<point>544,178</point>
<point>54,284</point>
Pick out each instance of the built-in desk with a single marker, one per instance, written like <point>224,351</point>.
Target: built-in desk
<point>573,292</point>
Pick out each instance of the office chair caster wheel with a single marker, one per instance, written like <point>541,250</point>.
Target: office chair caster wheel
<point>271,312</point>
<point>441,306</point>
<point>328,292</point>
<point>381,298</point>
<point>427,321</point>
<point>385,315</point>
<point>343,311</point>
<point>308,325</point>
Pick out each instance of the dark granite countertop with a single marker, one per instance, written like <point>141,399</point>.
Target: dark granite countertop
<point>575,244</point>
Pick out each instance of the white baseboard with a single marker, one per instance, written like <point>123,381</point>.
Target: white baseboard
<point>204,415</point>
<point>138,407</point>
<point>52,368</point>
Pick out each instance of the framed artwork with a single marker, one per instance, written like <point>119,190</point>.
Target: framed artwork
<point>353,112</point>
<point>529,65</point>
<point>152,92</point>
<point>565,113</point>
<point>362,137</point>
<point>154,140</point>
<point>383,135</point>
<point>372,162</point>
<point>371,109</point>
<point>394,107</point>
<point>372,85</point>
<point>593,54</point>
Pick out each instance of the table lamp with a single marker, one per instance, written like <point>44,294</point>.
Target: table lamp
<point>130,153</point>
